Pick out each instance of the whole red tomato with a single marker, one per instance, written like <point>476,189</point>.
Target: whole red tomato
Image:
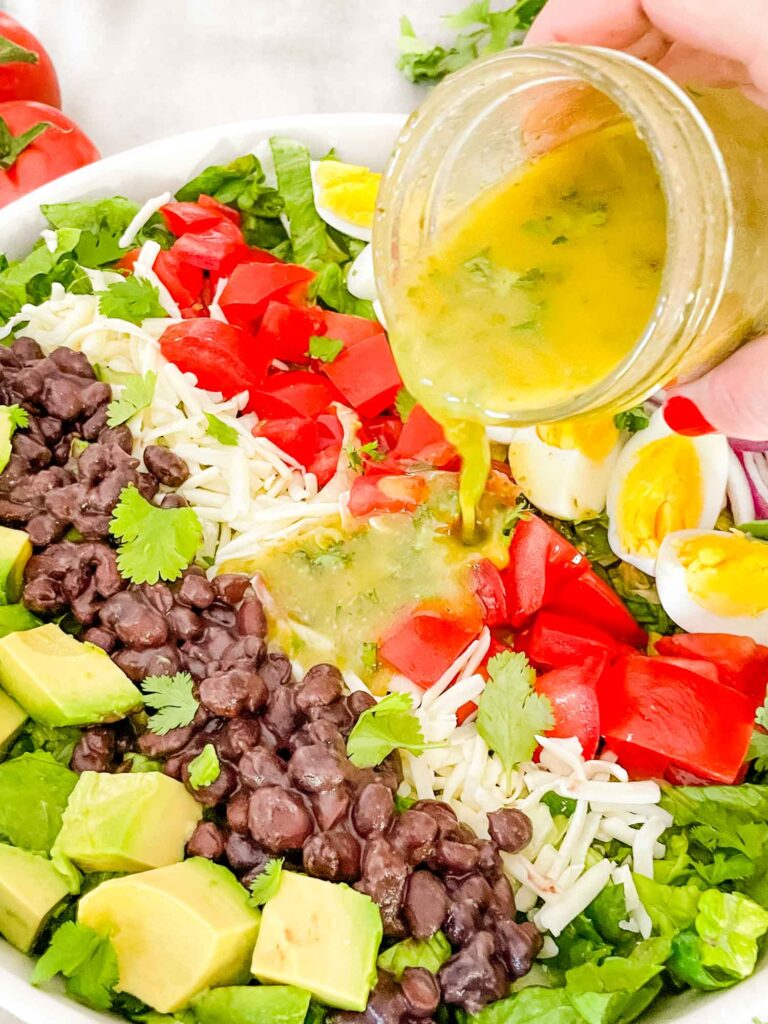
<point>37,144</point>
<point>26,71</point>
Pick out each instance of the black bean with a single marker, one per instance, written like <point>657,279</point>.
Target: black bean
<point>276,671</point>
<point>474,976</point>
<point>421,991</point>
<point>443,814</point>
<point>237,811</point>
<point>238,736</point>
<point>260,767</point>
<point>174,501</point>
<point>281,716</point>
<point>154,661</point>
<point>243,853</point>
<point>227,693</point>
<point>333,856</point>
<point>518,945</point>
<point>490,862</point>
<point>166,465</point>
<point>95,750</point>
<point>278,819</point>
<point>134,621</point>
<point>374,809</point>
<point>246,651</point>
<point>358,702</point>
<point>316,767</point>
<point>414,833</point>
<point>231,587</point>
<point>454,858</point>
<point>121,436</point>
<point>331,807</point>
<point>251,620</point>
<point>195,592</point>
<point>172,742</point>
<point>206,841</point>
<point>385,873</point>
<point>510,829</point>
<point>184,624</point>
<point>70,361</point>
<point>503,903</point>
<point>101,637</point>
<point>425,905</point>
<point>321,686</point>
<point>461,923</point>
<point>222,787</point>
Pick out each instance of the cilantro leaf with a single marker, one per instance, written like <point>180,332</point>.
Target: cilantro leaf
<point>509,713</point>
<point>133,299</point>
<point>155,543</point>
<point>486,32</point>
<point>86,959</point>
<point>172,700</point>
<point>221,431</point>
<point>323,348</point>
<point>205,768</point>
<point>19,417</point>
<point>632,420</point>
<point>357,456</point>
<point>137,394</point>
<point>404,403</point>
<point>265,885</point>
<point>391,725</point>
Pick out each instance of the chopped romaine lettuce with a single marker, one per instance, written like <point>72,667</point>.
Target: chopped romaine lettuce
<point>101,223</point>
<point>34,790</point>
<point>428,953</point>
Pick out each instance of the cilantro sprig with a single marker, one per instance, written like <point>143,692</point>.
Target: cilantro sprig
<point>155,543</point>
<point>266,884</point>
<point>323,348</point>
<point>137,394</point>
<point>221,431</point>
<point>172,700</point>
<point>133,299</point>
<point>86,959</point>
<point>358,455</point>
<point>205,768</point>
<point>510,714</point>
<point>391,725</point>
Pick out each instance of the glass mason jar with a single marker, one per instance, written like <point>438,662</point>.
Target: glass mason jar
<point>710,150</point>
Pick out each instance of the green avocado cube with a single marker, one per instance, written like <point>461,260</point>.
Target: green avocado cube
<point>12,718</point>
<point>15,552</point>
<point>322,937</point>
<point>60,681</point>
<point>176,931</point>
<point>127,822</point>
<point>252,1004</point>
<point>30,887</point>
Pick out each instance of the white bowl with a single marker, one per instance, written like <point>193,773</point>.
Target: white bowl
<point>159,167</point>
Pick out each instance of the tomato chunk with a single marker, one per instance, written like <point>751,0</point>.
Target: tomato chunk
<point>285,331</point>
<point>541,561</point>
<point>296,435</point>
<point>572,694</point>
<point>590,598</point>
<point>212,248</point>
<point>251,286</point>
<point>555,641</point>
<point>488,588</point>
<point>213,351</point>
<point>183,217</point>
<point>309,393</point>
<point>425,644</point>
<point>372,495</point>
<point>347,328</point>
<point>366,375</point>
<point>422,440</point>
<point>675,715</point>
<point>741,663</point>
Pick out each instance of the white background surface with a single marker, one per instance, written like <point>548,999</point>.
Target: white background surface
<point>136,70</point>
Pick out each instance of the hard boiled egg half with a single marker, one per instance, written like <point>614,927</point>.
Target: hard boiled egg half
<point>345,196</point>
<point>564,468</point>
<point>663,482</point>
<point>710,581</point>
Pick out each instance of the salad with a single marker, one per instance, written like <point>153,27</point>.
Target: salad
<point>276,744</point>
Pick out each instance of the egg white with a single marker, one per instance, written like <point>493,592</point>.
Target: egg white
<point>333,219</point>
<point>712,453</point>
<point>681,606</point>
<point>361,280</point>
<point>562,482</point>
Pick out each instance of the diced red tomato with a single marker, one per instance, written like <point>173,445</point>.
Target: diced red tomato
<point>572,694</point>
<point>297,436</point>
<point>642,763</point>
<point>372,495</point>
<point>309,393</point>
<point>422,440</point>
<point>252,285</point>
<point>285,331</point>
<point>366,375</point>
<point>590,598</point>
<point>488,587</point>
<point>385,430</point>
<point>426,643</point>
<point>556,641</point>
<point>741,663</point>
<point>213,248</point>
<point>183,281</point>
<point>347,328</point>
<point>673,714</point>
<point>270,407</point>
<point>330,428</point>
<point>183,217</point>
<point>209,203</point>
<point>705,669</point>
<point>213,351</point>
<point>541,561</point>
<point>324,463</point>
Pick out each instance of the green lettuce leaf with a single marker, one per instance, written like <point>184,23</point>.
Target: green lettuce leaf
<point>31,279</point>
<point>330,289</point>
<point>729,926</point>
<point>34,790</point>
<point>671,908</point>
<point>59,743</point>
<point>101,223</point>
<point>429,953</point>
<point>531,1006</point>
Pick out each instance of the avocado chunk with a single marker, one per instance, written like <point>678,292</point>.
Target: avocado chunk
<point>14,618</point>
<point>34,790</point>
<point>252,1004</point>
<point>176,931</point>
<point>322,937</point>
<point>127,822</point>
<point>60,681</point>
<point>30,887</point>
<point>11,720</point>
<point>15,552</point>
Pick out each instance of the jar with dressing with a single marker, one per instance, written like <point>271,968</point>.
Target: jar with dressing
<point>563,230</point>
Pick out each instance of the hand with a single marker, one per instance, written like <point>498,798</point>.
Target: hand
<point>706,42</point>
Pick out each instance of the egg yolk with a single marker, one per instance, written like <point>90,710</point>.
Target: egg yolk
<point>593,436</point>
<point>347,190</point>
<point>662,492</point>
<point>726,573</point>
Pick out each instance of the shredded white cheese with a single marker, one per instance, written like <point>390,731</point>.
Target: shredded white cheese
<point>148,210</point>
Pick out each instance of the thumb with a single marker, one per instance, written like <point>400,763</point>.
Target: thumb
<point>731,399</point>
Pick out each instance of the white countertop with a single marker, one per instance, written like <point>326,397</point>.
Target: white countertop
<point>136,70</point>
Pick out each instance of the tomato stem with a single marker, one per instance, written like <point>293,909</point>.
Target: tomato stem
<point>12,53</point>
<point>11,146</point>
